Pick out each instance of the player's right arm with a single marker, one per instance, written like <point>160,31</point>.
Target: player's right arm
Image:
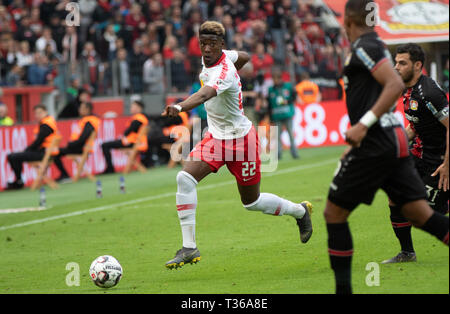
<point>443,169</point>
<point>393,87</point>
<point>437,103</point>
<point>203,94</point>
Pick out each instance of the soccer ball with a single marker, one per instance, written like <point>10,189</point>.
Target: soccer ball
<point>105,271</point>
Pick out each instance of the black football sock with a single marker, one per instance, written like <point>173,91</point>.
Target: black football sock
<point>340,250</point>
<point>58,163</point>
<point>402,229</point>
<point>437,225</point>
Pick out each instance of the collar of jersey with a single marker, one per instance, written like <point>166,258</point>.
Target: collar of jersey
<point>218,61</point>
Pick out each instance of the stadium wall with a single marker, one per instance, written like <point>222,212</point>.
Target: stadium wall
<point>315,125</point>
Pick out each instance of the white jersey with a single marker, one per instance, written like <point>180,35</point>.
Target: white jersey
<point>225,112</point>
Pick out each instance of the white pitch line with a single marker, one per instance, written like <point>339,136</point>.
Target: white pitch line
<point>154,197</point>
<point>22,210</point>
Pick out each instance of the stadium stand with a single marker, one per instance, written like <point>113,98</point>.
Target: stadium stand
<point>115,39</point>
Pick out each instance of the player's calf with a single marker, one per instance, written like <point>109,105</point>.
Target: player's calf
<point>186,207</point>
<point>422,216</point>
<point>271,204</point>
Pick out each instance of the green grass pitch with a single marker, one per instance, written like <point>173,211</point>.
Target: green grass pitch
<point>242,252</point>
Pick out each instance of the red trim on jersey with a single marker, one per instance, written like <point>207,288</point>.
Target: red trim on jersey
<point>223,74</point>
<point>340,253</point>
<point>401,224</point>
<point>185,207</point>
<point>222,57</point>
<point>402,142</point>
<point>407,99</point>
<point>240,96</point>
<point>379,64</point>
<point>445,240</point>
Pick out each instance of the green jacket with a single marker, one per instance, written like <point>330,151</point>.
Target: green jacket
<point>281,102</point>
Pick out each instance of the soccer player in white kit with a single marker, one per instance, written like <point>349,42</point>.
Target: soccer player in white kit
<point>231,140</point>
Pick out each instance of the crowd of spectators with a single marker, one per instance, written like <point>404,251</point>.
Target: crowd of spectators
<point>128,47</point>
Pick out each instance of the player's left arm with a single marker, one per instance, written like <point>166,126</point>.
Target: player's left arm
<point>239,58</point>
<point>443,169</point>
<point>243,58</point>
<point>203,94</point>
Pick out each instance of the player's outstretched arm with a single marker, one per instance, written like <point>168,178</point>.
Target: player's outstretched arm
<point>203,94</point>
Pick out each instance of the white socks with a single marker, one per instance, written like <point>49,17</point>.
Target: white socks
<point>186,206</point>
<point>272,204</point>
<point>187,203</point>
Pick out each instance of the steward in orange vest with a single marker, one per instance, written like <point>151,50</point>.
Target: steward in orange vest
<point>160,134</point>
<point>308,92</point>
<point>139,120</point>
<point>45,133</point>
<point>86,125</point>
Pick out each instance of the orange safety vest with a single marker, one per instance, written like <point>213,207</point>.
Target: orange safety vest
<point>93,120</point>
<point>184,117</point>
<point>307,91</point>
<point>133,136</point>
<point>342,85</point>
<point>50,121</point>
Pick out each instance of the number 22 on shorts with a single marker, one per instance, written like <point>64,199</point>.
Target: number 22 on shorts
<point>248,168</point>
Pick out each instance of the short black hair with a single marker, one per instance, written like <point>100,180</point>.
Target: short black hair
<point>139,103</point>
<point>89,105</point>
<point>416,52</point>
<point>40,106</point>
<point>358,10</point>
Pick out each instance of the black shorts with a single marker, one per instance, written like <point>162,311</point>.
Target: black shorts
<point>359,177</point>
<point>437,199</point>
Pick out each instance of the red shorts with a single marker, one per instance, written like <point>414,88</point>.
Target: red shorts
<point>241,156</point>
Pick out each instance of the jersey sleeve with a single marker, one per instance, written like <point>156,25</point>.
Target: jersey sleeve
<point>436,101</point>
<point>372,55</point>
<point>232,55</point>
<point>220,80</point>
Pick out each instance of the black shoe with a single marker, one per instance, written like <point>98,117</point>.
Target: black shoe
<point>16,185</point>
<point>402,257</point>
<point>64,179</point>
<point>304,223</point>
<point>184,256</point>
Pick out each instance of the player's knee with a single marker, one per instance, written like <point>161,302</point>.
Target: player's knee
<point>335,214</point>
<point>417,212</point>
<point>396,213</point>
<point>186,182</point>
